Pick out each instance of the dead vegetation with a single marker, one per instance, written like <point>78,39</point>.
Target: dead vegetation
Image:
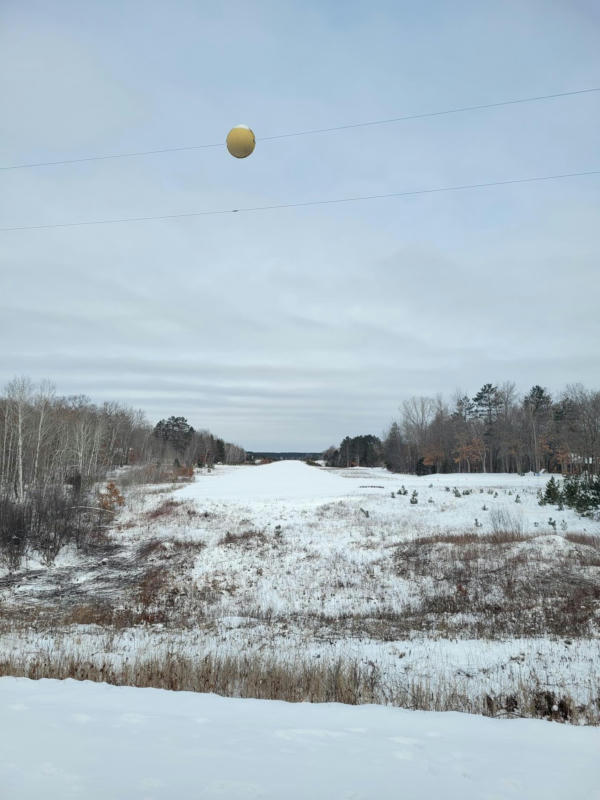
<point>469,537</point>
<point>104,616</point>
<point>491,586</point>
<point>506,522</point>
<point>584,539</point>
<point>351,682</point>
<point>245,538</point>
<point>151,587</point>
<point>154,474</point>
<point>166,509</point>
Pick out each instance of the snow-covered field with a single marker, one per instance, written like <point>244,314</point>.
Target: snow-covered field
<point>67,739</point>
<point>474,590</point>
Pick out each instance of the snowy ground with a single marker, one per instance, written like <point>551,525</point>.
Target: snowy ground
<point>297,565</point>
<point>67,739</point>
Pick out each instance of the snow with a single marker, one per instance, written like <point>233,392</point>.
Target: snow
<point>315,580</point>
<point>64,739</point>
<point>291,487</point>
<point>281,480</point>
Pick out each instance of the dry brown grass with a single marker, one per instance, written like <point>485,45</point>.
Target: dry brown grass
<point>168,508</point>
<point>490,586</point>
<point>150,548</point>
<point>152,586</point>
<point>87,614</point>
<point>187,545</point>
<point>245,538</point>
<point>166,547</point>
<point>465,538</point>
<point>350,683</point>
<point>102,615</point>
<point>586,539</point>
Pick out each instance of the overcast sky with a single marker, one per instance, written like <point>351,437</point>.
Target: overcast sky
<point>288,329</point>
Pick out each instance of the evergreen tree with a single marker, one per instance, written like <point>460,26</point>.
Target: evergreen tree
<point>175,432</point>
<point>393,448</point>
<point>486,403</point>
<point>537,405</point>
<point>220,451</point>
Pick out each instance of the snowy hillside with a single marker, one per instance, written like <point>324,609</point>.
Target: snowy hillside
<point>82,740</point>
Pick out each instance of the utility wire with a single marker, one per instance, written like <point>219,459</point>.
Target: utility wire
<point>461,187</point>
<point>459,110</point>
<point>310,132</point>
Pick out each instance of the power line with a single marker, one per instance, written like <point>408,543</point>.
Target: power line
<point>358,198</point>
<point>445,112</point>
<point>311,132</point>
<point>110,156</point>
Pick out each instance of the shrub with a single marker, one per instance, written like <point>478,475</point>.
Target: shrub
<point>111,498</point>
<point>44,522</point>
<point>552,493</point>
<point>505,521</point>
<point>15,524</point>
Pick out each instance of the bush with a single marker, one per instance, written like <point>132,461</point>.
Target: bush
<point>111,498</point>
<point>43,523</point>
<point>15,523</point>
<point>504,521</point>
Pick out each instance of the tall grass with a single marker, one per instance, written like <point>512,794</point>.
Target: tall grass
<point>335,682</point>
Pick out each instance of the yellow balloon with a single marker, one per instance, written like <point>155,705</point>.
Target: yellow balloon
<point>240,141</point>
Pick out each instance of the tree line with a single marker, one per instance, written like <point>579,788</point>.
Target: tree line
<point>495,430</point>
<point>174,438</point>
<point>55,450</point>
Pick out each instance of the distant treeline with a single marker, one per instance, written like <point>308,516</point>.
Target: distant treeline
<point>46,440</point>
<point>174,438</point>
<point>253,455</point>
<point>496,430</point>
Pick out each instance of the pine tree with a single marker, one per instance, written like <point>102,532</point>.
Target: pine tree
<point>393,449</point>
<point>176,432</point>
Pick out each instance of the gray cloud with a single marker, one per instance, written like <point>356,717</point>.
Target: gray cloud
<point>290,329</point>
